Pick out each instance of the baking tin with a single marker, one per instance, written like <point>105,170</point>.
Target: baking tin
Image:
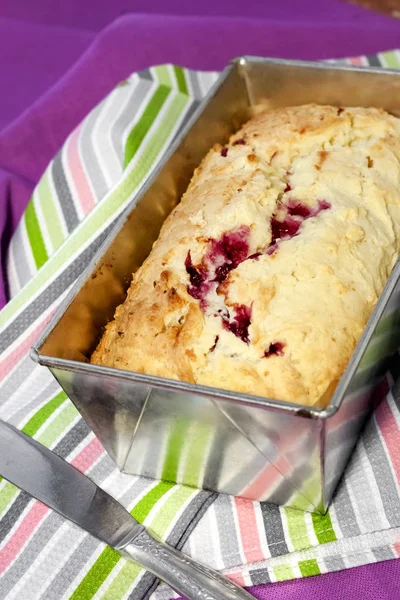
<point>239,444</point>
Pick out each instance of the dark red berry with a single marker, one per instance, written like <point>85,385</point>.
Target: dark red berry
<point>275,348</point>
<point>239,326</point>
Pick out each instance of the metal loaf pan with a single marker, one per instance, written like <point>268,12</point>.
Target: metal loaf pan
<point>210,438</point>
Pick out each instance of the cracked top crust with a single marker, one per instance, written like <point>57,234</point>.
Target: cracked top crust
<point>265,274</point>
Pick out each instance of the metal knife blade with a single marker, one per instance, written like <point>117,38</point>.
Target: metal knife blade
<point>44,475</point>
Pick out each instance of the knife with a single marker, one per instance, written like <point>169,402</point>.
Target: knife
<point>47,477</point>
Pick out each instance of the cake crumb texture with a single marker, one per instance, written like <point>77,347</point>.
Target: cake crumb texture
<point>265,274</point>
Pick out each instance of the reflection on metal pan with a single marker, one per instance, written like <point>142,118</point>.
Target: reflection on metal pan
<point>240,444</point>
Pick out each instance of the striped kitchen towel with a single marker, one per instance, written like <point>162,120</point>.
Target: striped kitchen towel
<point>102,165</point>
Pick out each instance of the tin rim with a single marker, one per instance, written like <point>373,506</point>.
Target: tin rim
<point>212,392</point>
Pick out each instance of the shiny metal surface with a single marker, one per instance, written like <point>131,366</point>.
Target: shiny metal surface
<point>254,447</point>
<point>191,579</point>
<point>44,475</point>
<point>47,477</point>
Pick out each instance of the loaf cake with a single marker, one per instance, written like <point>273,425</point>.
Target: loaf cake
<point>265,274</point>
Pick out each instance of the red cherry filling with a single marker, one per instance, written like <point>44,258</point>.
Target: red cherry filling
<point>232,248</point>
<point>240,324</point>
<point>215,344</point>
<point>272,249</point>
<point>297,213</point>
<point>297,209</point>
<point>254,256</point>
<point>224,255</point>
<point>322,205</point>
<point>283,229</point>
<point>196,277</point>
<point>221,272</point>
<point>199,287</point>
<point>275,348</point>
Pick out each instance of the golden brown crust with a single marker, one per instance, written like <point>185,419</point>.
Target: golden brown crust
<point>267,271</point>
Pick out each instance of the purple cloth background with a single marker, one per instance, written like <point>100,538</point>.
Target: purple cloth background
<point>60,59</point>
<point>380,581</point>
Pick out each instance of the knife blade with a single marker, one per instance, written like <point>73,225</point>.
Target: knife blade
<point>41,473</point>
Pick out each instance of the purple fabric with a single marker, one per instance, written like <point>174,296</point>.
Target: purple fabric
<point>63,58</point>
<point>82,15</point>
<point>372,582</point>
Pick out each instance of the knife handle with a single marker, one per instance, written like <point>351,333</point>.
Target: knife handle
<point>184,575</point>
